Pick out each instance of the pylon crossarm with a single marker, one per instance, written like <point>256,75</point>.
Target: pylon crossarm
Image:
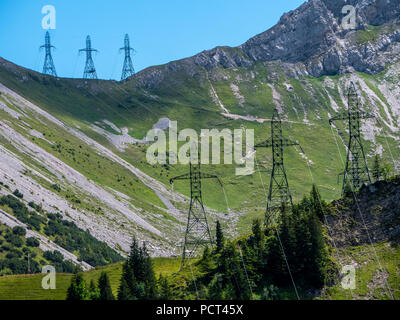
<point>130,49</point>
<point>185,176</point>
<point>345,116</point>
<point>287,142</point>
<point>89,50</point>
<point>339,116</point>
<point>44,46</point>
<point>264,144</point>
<point>210,176</point>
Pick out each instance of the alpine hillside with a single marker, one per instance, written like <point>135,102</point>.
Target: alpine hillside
<point>77,147</point>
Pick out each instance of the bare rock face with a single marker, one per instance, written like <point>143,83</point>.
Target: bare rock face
<point>374,208</point>
<point>313,36</point>
<point>298,36</point>
<point>307,41</point>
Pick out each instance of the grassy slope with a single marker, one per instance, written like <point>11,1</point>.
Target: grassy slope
<point>28,287</point>
<point>188,101</point>
<point>368,281</point>
<point>371,281</point>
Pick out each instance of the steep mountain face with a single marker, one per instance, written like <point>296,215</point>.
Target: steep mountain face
<point>313,40</point>
<point>87,137</point>
<point>374,208</point>
<point>309,41</point>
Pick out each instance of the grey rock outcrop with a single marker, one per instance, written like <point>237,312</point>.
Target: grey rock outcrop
<point>307,41</point>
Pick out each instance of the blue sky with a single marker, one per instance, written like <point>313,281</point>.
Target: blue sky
<point>160,30</point>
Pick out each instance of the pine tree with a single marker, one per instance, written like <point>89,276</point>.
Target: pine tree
<point>317,203</point>
<point>317,258</point>
<point>124,293</point>
<point>105,287</point>
<point>135,260</point>
<point>138,275</point>
<point>234,281</point>
<point>270,293</point>
<point>77,289</point>
<point>94,292</point>
<point>288,239</point>
<point>150,283</point>
<point>128,283</point>
<point>219,237</point>
<point>215,288</point>
<point>376,169</point>
<point>165,289</point>
<point>257,233</point>
<point>206,265</point>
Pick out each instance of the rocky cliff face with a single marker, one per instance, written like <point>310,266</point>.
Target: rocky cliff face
<point>375,208</point>
<point>308,41</point>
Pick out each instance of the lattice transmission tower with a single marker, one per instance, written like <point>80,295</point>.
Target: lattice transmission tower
<point>279,192</point>
<point>197,232</point>
<point>356,172</point>
<point>90,70</point>
<point>127,69</point>
<point>48,67</point>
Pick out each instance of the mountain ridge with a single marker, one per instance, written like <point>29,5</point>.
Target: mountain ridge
<point>306,41</point>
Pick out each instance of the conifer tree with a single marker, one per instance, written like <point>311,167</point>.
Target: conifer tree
<point>138,275</point>
<point>165,289</point>
<point>317,203</point>
<point>219,237</point>
<point>377,169</point>
<point>316,266</point>
<point>257,233</point>
<point>105,287</point>
<point>270,293</point>
<point>205,264</point>
<point>234,281</point>
<point>215,288</point>
<point>127,288</point>
<point>135,260</point>
<point>288,234</point>
<point>77,289</point>
<point>94,292</point>
<point>124,293</point>
<point>150,283</point>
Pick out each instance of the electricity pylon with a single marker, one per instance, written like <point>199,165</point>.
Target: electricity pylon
<point>127,69</point>
<point>279,192</point>
<point>197,230</point>
<point>356,172</point>
<point>48,67</point>
<point>90,71</point>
